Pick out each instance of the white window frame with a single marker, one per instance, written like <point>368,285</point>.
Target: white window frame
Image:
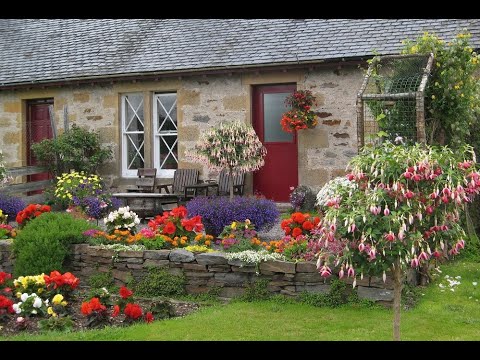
<point>125,171</point>
<point>158,135</point>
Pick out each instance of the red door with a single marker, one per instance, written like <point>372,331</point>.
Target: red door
<point>281,163</point>
<point>39,127</point>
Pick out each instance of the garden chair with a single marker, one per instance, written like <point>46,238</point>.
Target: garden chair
<point>181,178</point>
<point>146,180</point>
<point>238,183</point>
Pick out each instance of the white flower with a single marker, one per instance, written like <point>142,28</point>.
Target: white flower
<point>474,283</point>
<point>20,319</point>
<point>34,311</point>
<point>16,308</point>
<point>452,290</point>
<point>458,277</point>
<point>127,215</point>
<point>37,303</point>
<point>24,297</point>
<point>441,286</point>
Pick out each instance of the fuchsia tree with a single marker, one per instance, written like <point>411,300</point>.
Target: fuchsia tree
<point>402,209</point>
<point>234,146</point>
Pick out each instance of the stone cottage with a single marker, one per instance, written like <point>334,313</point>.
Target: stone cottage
<point>151,86</point>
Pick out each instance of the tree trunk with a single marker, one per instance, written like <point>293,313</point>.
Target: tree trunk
<point>230,182</point>
<point>397,298</point>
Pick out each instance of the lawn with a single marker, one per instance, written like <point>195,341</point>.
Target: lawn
<point>439,315</point>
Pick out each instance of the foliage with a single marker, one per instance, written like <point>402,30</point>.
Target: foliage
<point>409,205</point>
<point>239,236</point>
<point>302,199</point>
<point>220,211</point>
<point>335,297</point>
<point>77,149</point>
<point>199,249</point>
<point>453,93</point>
<point>331,188</point>
<point>301,116</point>
<point>299,225</point>
<point>3,171</point>
<point>31,212</point>
<point>11,205</point>
<point>7,231</point>
<point>101,280</point>
<point>256,291</point>
<point>86,192</point>
<point>159,282</point>
<point>55,323</point>
<point>122,219</point>
<point>30,304</point>
<point>175,224</point>
<point>406,210</point>
<point>251,257</point>
<point>234,146</point>
<point>43,244</point>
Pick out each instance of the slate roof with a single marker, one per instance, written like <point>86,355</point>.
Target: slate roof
<point>35,51</point>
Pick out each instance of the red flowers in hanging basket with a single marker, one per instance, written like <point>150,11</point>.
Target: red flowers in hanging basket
<point>300,116</point>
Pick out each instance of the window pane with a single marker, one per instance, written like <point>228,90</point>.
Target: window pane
<point>134,112</point>
<point>165,124</point>
<point>168,152</point>
<point>273,108</point>
<point>167,112</point>
<point>135,151</point>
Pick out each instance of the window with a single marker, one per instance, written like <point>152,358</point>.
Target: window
<point>165,141</point>
<point>133,134</point>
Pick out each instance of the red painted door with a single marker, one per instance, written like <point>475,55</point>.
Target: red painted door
<point>39,127</point>
<point>281,163</point>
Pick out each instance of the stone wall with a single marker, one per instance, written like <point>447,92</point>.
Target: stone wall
<point>202,101</point>
<point>208,270</point>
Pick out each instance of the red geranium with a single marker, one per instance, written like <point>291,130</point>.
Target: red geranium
<point>30,212</point>
<point>67,282</point>
<point>149,317</point>
<point>133,311</point>
<point>174,224</point>
<point>5,305</point>
<point>299,224</point>
<point>125,293</point>
<point>116,311</point>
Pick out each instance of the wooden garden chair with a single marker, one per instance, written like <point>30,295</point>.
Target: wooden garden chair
<point>181,178</point>
<point>145,182</point>
<point>238,183</point>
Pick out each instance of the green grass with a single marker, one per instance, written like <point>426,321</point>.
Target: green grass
<point>438,316</point>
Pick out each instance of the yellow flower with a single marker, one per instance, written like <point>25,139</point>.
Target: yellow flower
<point>234,225</point>
<point>63,303</point>
<point>461,95</point>
<point>51,312</point>
<point>39,290</point>
<point>57,299</point>
<point>433,97</point>
<point>457,87</point>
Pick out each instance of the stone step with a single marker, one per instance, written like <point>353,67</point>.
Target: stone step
<point>283,207</point>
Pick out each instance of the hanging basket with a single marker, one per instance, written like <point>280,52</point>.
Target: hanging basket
<point>301,115</point>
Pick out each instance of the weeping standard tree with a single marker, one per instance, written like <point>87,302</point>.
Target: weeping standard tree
<point>234,146</point>
<point>401,210</point>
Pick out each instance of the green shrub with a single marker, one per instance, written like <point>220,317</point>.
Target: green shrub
<point>335,297</point>
<point>159,282</point>
<point>102,280</point>
<point>43,244</point>
<point>256,291</point>
<point>77,149</point>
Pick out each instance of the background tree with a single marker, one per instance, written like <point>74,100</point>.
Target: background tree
<point>401,211</point>
<point>234,146</point>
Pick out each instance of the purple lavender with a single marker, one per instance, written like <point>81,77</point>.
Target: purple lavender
<point>218,212</point>
<point>11,205</point>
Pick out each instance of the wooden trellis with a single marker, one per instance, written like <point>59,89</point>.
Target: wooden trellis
<point>391,99</point>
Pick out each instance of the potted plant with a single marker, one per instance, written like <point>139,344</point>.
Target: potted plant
<point>301,115</point>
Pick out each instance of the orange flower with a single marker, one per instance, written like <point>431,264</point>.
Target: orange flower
<point>296,232</point>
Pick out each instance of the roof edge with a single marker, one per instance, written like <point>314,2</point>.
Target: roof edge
<point>185,72</point>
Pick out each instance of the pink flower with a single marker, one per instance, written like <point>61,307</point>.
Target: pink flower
<point>414,263</point>
<point>429,210</point>
<point>409,194</point>
<point>386,212</point>
<point>361,247</point>
<point>341,273</point>
<point>351,272</point>
<point>390,236</point>
<point>325,271</point>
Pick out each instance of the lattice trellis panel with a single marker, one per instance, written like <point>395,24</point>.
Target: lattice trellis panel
<point>390,102</point>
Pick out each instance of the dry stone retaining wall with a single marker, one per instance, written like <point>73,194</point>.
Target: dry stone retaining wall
<point>206,271</point>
